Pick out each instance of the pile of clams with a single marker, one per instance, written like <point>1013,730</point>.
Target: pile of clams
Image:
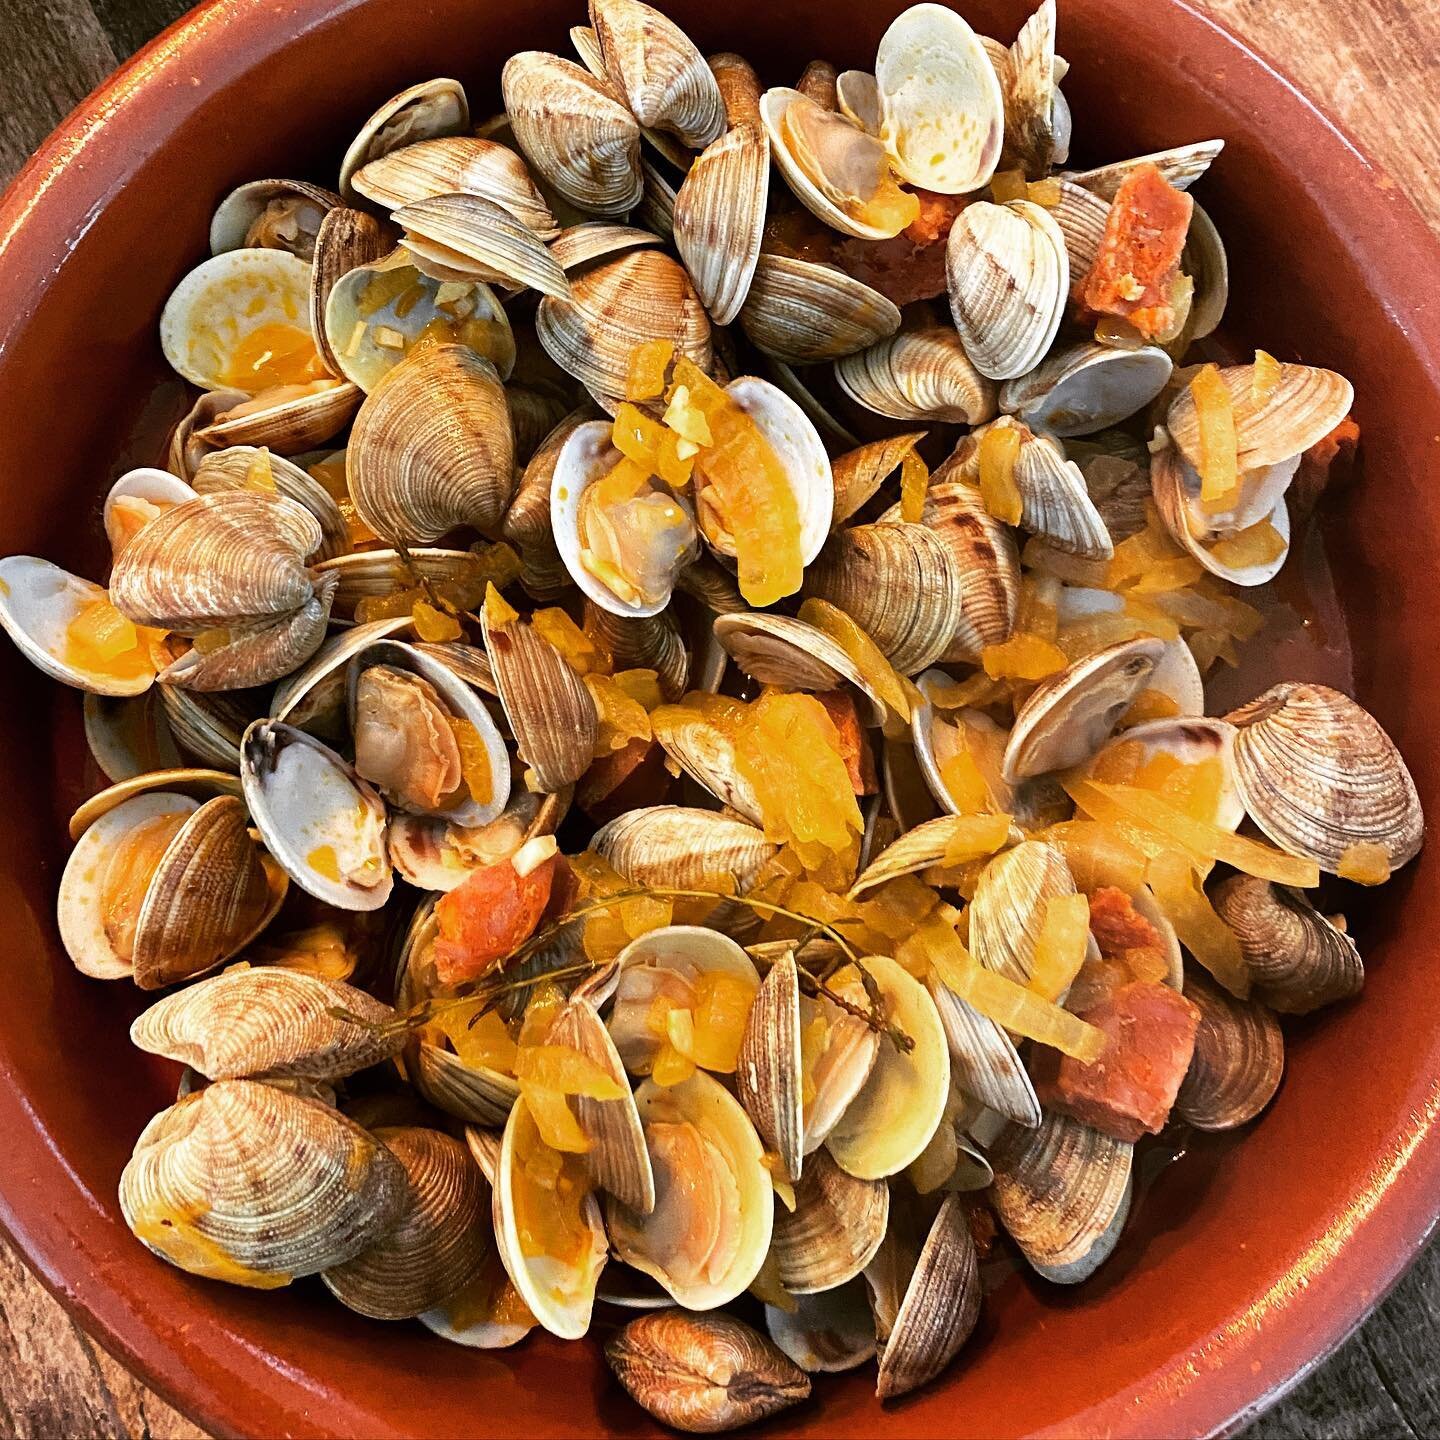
<point>655,712</point>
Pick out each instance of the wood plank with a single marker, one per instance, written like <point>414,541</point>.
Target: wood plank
<point>1376,64</point>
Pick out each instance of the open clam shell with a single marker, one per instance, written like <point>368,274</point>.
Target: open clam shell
<point>39,603</point>
<point>710,1178</point>
<point>268,1023</point>
<point>705,751</point>
<point>1298,959</point>
<point>1181,167</point>
<point>769,1079</point>
<point>673,845</point>
<point>1062,1191</point>
<point>224,303</point>
<point>247,1183</point>
<point>1009,280</point>
<point>128,735</point>
<point>163,887</point>
<point>1206,263</point>
<point>1034,125</point>
<point>135,499</point>
<point>1086,387</point>
<point>834,1231</point>
<point>1192,740</point>
<point>528,525</point>
<point>1008,909</point>
<point>826,1333</point>
<point>1069,716</point>
<point>313,697</point>
<point>902,1102</point>
<point>586,457</point>
<point>366,573</point>
<point>1082,216</point>
<point>372,319</point>
<point>432,448</point>
<point>427,111</point>
<point>271,215</point>
<point>983,1060</point>
<point>402,724</point>
<point>803,313</point>
<point>579,138</point>
<point>942,116</point>
<point>321,821</point>
<point>439,1242</point>
<point>484,235</point>
<point>1238,1062</point>
<point>287,419</point>
<point>1318,774</point>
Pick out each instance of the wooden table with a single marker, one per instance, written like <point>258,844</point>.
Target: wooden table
<point>1374,62</point>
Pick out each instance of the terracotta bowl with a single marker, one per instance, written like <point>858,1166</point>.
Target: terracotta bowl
<point>1245,1264</point>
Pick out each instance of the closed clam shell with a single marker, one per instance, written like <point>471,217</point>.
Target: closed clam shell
<point>617,1160</point>
<point>835,1229</point>
<point>942,116</point>
<point>1069,716</point>
<point>1176,487</point>
<point>1009,906</point>
<point>616,306</point>
<point>230,469</point>
<point>902,1102</point>
<point>485,233</point>
<point>898,582</point>
<point>1298,959</point>
<point>431,448</point>
<point>271,215</point>
<point>828,1332</point>
<point>222,302</point>
<point>1008,276</point>
<point>984,561</point>
<point>938,1301</point>
<point>703,1373</point>
<point>528,525</point>
<point>1086,387</point>
<point>551,714</point>
<point>1181,167</point>
<point>578,137</point>
<point>673,845</point>
<point>768,1077</point>
<point>651,642</point>
<point>248,1183</point>
<point>253,656</point>
<point>268,1023</point>
<point>705,751</point>
<point>719,213</point>
<point>425,111</point>
<point>143,493</point>
<point>803,313</point>
<point>656,67</point>
<point>1238,1061</point>
<point>1318,774</point>
<point>1304,406</point>
<point>920,377</point>
<point>860,472</point>
<point>225,559</point>
<point>368,338</point>
<point>781,650</point>
<point>439,1242</point>
<point>320,820</point>
<point>457,165</point>
<point>983,1059</point>
<point>1056,501</point>
<point>735,1206</point>
<point>1062,1190</point>
<point>288,420</point>
<point>38,604</point>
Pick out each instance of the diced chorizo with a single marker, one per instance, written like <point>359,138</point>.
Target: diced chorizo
<point>486,917</point>
<point>1139,258</point>
<point>1150,1038</point>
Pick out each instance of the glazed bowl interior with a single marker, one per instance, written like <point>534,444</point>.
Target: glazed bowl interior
<point>1244,1262</point>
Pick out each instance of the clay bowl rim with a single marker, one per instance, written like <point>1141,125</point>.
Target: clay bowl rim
<point>83,164</point>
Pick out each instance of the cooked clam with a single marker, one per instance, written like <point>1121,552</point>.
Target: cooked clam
<point>427,111</point>
<point>1086,387</point>
<point>1239,1059</point>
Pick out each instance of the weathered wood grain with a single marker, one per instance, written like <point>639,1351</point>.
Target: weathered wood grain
<point>1375,63</point>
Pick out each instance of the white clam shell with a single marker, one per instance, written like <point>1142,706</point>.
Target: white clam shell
<point>158,487</point>
<point>1086,388</point>
<point>225,299</point>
